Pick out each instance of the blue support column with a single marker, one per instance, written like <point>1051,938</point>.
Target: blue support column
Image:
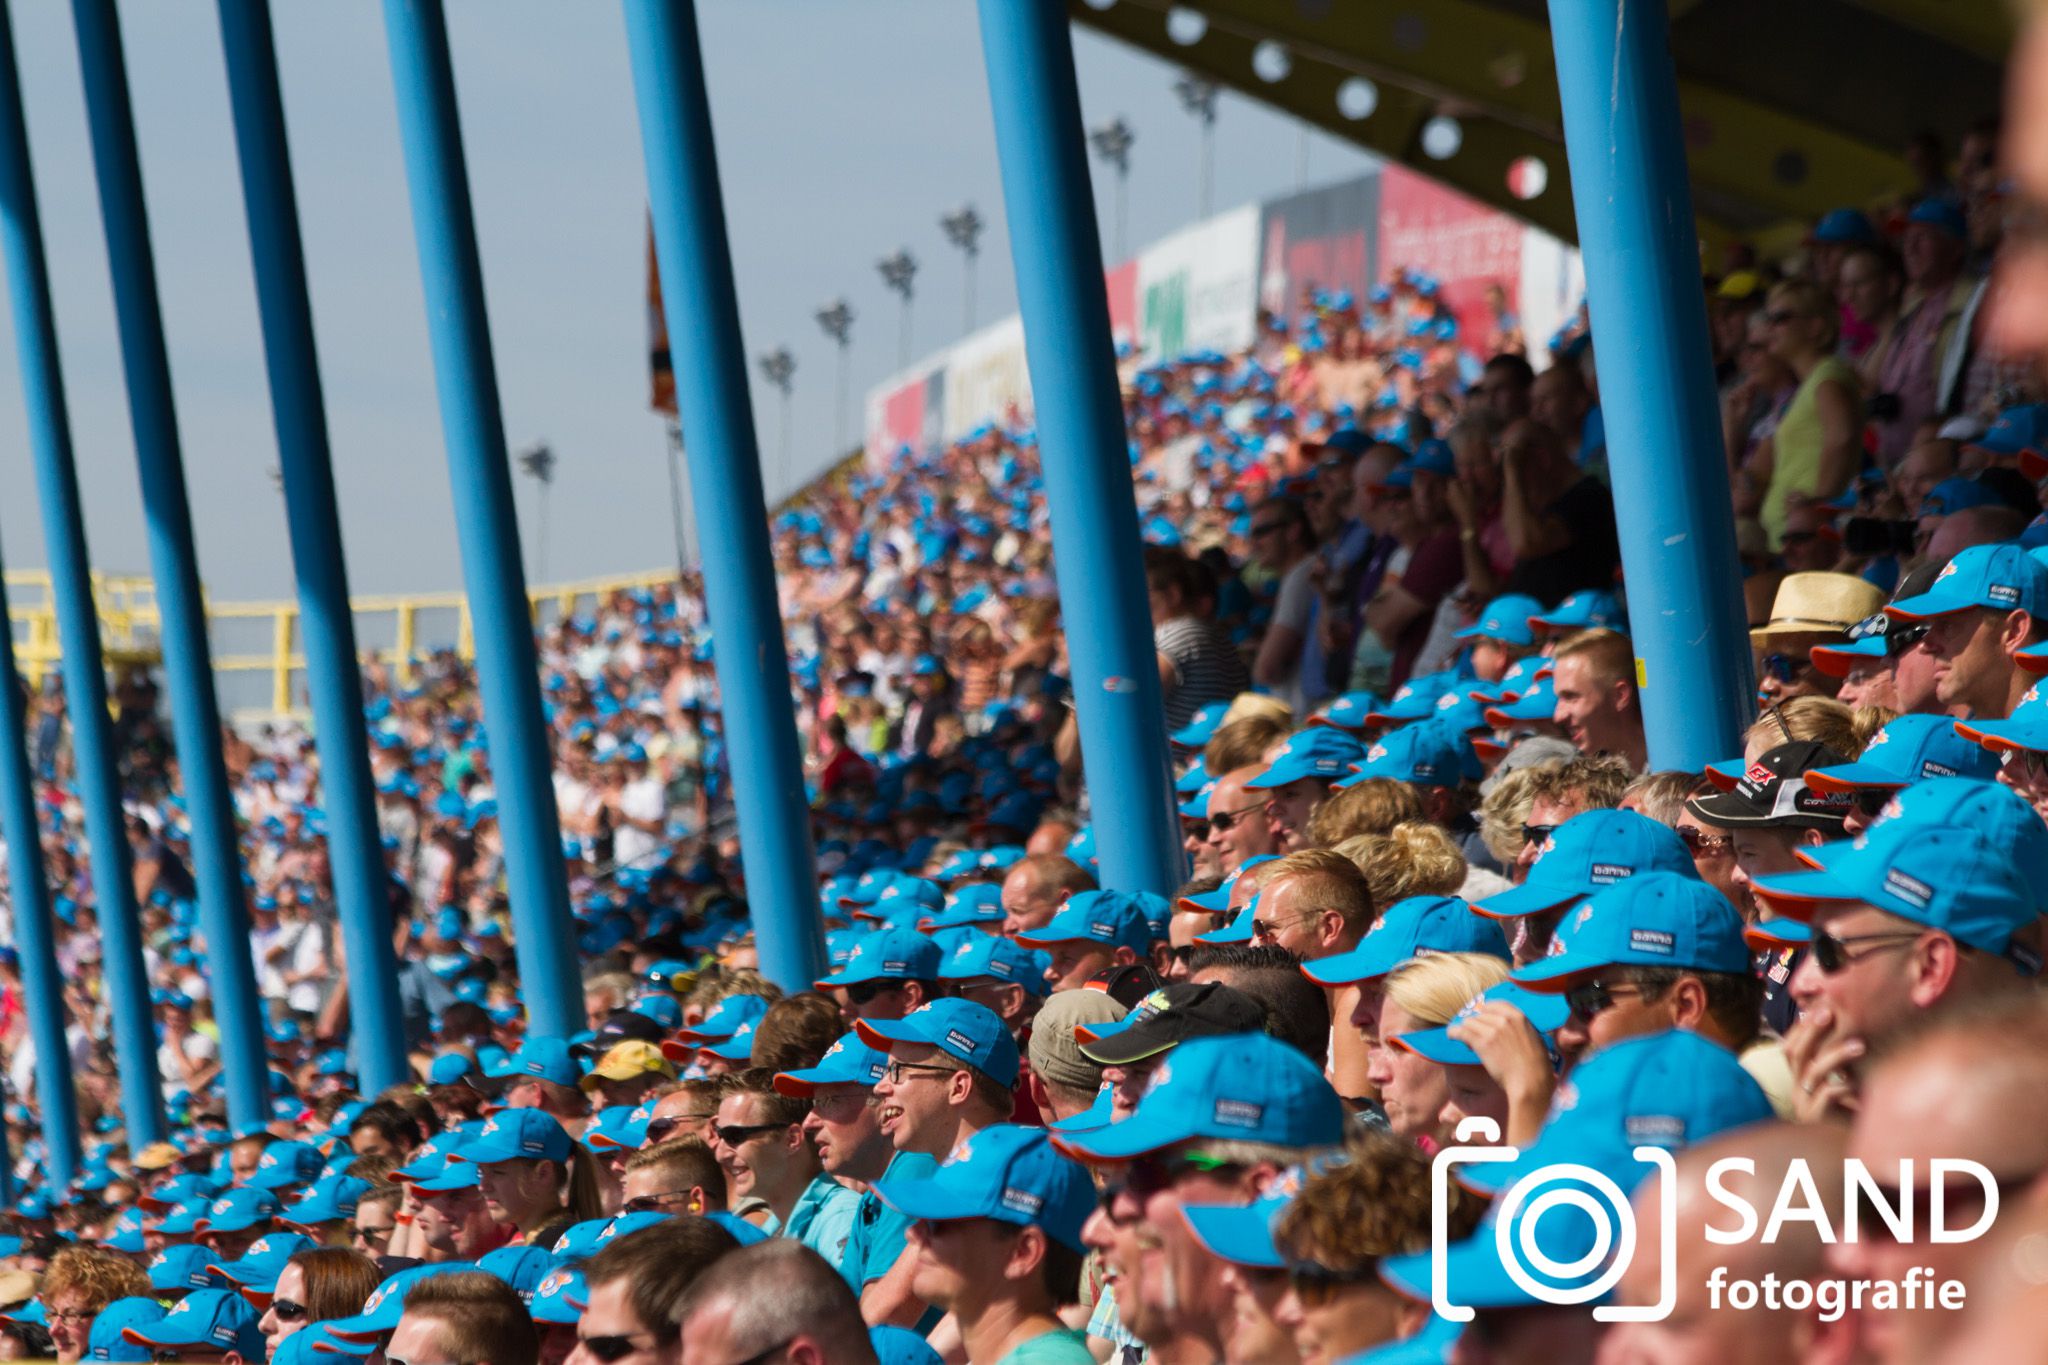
<point>332,674</point>
<point>725,480</point>
<point>1622,136</point>
<point>85,683</point>
<point>485,520</point>
<point>174,562</point>
<point>1081,441</point>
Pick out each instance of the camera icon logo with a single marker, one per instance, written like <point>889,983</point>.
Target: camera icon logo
<point>1593,1241</point>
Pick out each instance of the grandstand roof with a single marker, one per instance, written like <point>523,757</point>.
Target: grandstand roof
<point>1792,107</point>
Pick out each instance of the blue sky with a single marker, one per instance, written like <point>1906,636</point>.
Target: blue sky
<point>844,130</point>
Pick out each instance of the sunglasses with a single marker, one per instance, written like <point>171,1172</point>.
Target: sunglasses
<point>733,1134</point>
<point>1783,667</point>
<point>1148,1175</point>
<point>607,1348</point>
<point>1831,952</point>
<point>652,1203</point>
<point>1220,820</point>
<point>287,1310</point>
<point>1536,834</point>
<point>1698,842</point>
<point>1596,997</point>
<point>864,992</point>
<point>659,1129</point>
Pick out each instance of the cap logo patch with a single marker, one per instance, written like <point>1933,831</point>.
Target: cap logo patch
<point>895,964</point>
<point>1101,929</point>
<point>1022,1201</point>
<point>1603,874</point>
<point>998,967</point>
<point>1759,774</point>
<point>1664,1130</point>
<point>1652,941</point>
<point>1238,1114</point>
<point>956,1039</point>
<point>1946,570</point>
<point>1908,888</point>
<point>2005,594</point>
<point>1932,769</point>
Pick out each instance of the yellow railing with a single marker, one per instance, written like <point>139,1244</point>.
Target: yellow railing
<point>257,654</point>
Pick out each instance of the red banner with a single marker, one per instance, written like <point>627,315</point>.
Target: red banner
<point>1464,244</point>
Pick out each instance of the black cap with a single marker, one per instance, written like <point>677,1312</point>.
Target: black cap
<point>1169,1016</point>
<point>1127,984</point>
<point>1772,793</point>
<point>620,1026</point>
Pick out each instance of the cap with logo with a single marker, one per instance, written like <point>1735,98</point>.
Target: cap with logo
<point>1506,619</point>
<point>962,1029</point>
<point>239,1209</point>
<point>617,1127</point>
<point>387,1301</point>
<point>560,1298</point>
<point>888,955</point>
<point>2026,728</point>
<point>205,1319</point>
<point>1545,1013</point>
<point>2002,577</point>
<point>980,903</point>
<point>1115,919</point>
<point>1583,610</point>
<point>287,1163</point>
<point>256,1272</point>
<point>519,1135</point>
<point>1170,1016</point>
<point>1414,927</point>
<point>1773,793</point>
<point>182,1266</point>
<point>1659,919</point>
<point>1008,1173</point>
<point>1429,753</point>
<point>627,1061</point>
<point>1906,750</point>
<point>522,1267</point>
<point>1352,711</point>
<point>849,1061</point>
<point>547,1059</point>
<point>991,957</point>
<point>1946,877</point>
<point>1320,752</point>
<point>1590,851</point>
<point>1993,809</point>
<point>1201,727</point>
<point>108,1338</point>
<point>1242,1087</point>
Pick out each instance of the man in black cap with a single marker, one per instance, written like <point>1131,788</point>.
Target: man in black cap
<point>1771,814</point>
<point>1130,1049</point>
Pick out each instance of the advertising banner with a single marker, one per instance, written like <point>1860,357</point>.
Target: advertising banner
<point>1463,243</point>
<point>1318,239</point>
<point>1197,290</point>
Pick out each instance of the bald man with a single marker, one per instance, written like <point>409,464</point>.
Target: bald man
<point>1697,1333</point>
<point>1036,888</point>
<point>1238,826</point>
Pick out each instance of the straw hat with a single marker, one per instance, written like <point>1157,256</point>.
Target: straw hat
<point>1819,604</point>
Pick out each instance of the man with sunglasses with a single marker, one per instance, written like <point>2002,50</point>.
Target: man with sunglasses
<point>207,1327</point>
<point>1930,908</point>
<point>891,973</point>
<point>1987,605</point>
<point>1655,952</point>
<point>681,1175</point>
<point>997,1243</point>
<point>468,1318</point>
<point>1239,828</point>
<point>636,1285</point>
<point>686,1111</point>
<point>1910,749</point>
<point>1223,1118</point>
<point>762,1141</point>
<point>1578,859</point>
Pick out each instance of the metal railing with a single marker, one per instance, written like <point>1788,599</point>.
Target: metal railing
<point>258,662</point>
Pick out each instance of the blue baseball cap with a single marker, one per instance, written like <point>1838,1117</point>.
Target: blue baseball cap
<point>1538,702</point>
<point>548,1058</point>
<point>888,955</point>
<point>1671,1090</point>
<point>451,1068</point>
<point>1115,919</point>
<point>238,1210</point>
<point>108,1340</point>
<point>981,903</point>
<point>1545,1013</point>
<point>998,959</point>
<point>578,1241</point>
<point>326,1200</point>
<point>1239,930</point>
<point>1320,752</point>
<point>257,1270</point>
<point>1905,751</point>
<point>2020,432</point>
<point>1352,711</point>
<point>386,1303</point>
<point>1414,700</point>
<point>518,1135</point>
<point>1246,1087</point>
<point>1194,779</point>
<point>738,1048</point>
<point>455,1175</point>
<point>1008,1173</point>
<point>305,1346</point>
<point>1993,809</point>
<point>726,1019</point>
<point>2026,728</point>
<point>1583,610</point>
<point>1506,619</point>
<point>849,1061</point>
<point>1946,877</point>
<point>1941,212</point>
<point>617,1127</point>
<point>522,1267</point>
<point>1843,227</point>
<point>1428,753</point>
<point>183,1220</point>
<point>2001,577</point>
<point>1587,852</point>
<point>287,1163</point>
<point>1657,919</point>
<point>1414,927</point>
<point>209,1319</point>
<point>1201,727</point>
<point>560,1297</point>
<point>963,1030</point>
<point>1242,1234</point>
<point>1956,495</point>
<point>181,1267</point>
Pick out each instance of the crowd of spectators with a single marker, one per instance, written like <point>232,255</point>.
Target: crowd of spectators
<point>1437,898</point>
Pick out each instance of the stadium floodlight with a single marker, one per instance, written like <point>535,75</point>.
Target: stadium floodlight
<point>963,229</point>
<point>537,462</point>
<point>836,318</point>
<point>778,367</point>
<point>899,271</point>
<point>1112,142</point>
<point>1198,97</point>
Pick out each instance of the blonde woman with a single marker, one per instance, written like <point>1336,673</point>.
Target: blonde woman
<point>1425,993</point>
